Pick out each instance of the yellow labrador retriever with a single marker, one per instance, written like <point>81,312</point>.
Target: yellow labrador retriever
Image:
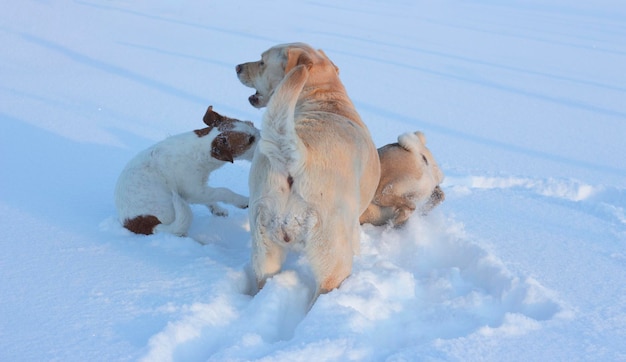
<point>316,168</point>
<point>409,181</point>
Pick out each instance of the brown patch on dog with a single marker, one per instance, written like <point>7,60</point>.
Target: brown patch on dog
<point>203,132</point>
<point>231,144</point>
<point>221,149</point>
<point>142,224</point>
<point>212,118</point>
<point>223,123</point>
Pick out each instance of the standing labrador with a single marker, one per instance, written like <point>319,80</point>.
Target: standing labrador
<point>316,167</point>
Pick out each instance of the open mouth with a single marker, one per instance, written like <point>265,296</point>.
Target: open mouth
<point>254,99</point>
<point>258,100</point>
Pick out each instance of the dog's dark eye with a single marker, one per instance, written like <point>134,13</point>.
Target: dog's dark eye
<point>425,160</point>
<point>251,140</point>
<point>261,63</point>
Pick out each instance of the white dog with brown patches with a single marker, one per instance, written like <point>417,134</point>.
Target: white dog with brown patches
<point>316,167</point>
<point>409,181</point>
<point>155,189</point>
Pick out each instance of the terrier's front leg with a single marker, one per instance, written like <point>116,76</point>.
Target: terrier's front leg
<point>211,196</point>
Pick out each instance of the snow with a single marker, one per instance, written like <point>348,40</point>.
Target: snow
<point>522,103</point>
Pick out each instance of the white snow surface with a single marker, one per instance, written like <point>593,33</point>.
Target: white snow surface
<point>523,104</point>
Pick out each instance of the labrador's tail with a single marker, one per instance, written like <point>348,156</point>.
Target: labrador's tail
<point>279,140</point>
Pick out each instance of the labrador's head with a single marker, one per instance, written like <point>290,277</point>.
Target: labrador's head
<point>265,75</point>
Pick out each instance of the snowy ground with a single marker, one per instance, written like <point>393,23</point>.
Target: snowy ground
<point>523,104</point>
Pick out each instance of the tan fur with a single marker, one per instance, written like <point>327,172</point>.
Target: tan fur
<point>316,168</point>
<point>409,180</point>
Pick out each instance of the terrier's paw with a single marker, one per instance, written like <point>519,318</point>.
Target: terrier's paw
<point>217,210</point>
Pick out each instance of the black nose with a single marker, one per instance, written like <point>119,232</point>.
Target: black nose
<point>238,68</point>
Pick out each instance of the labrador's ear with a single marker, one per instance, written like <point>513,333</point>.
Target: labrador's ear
<point>295,57</point>
<point>421,136</point>
<point>327,58</point>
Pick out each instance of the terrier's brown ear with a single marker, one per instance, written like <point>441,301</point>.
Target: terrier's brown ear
<point>221,149</point>
<point>212,118</point>
<point>295,57</point>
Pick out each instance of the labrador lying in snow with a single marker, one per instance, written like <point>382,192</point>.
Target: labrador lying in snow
<point>153,191</point>
<point>316,167</point>
<point>409,180</point>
